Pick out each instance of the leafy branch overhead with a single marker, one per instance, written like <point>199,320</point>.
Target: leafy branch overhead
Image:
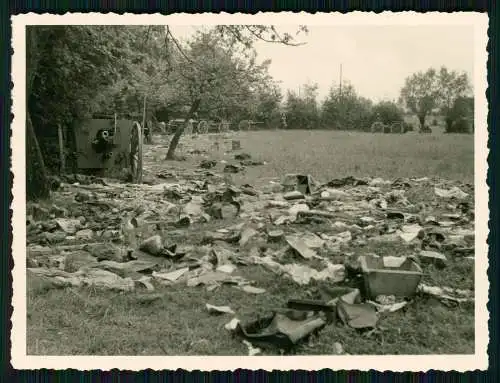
<point>218,70</point>
<point>107,69</point>
<point>214,75</point>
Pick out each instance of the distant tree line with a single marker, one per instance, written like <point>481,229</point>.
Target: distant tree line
<point>77,71</point>
<point>445,92</point>
<point>342,109</point>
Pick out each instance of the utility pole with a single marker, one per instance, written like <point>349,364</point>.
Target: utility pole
<point>340,81</point>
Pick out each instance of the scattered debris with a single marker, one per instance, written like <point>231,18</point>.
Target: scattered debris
<point>454,192</point>
<point>252,290</point>
<point>233,168</point>
<point>300,247</point>
<point>323,233</point>
<point>171,276</point>
<point>153,245</point>
<point>232,325</point>
<point>390,308</point>
<point>106,251</point>
<point>252,351</point>
<point>359,316</point>
<point>208,164</point>
<point>303,275</point>
<point>219,309</point>
<point>304,184</point>
<point>293,195</point>
<point>433,257</point>
<point>283,329</point>
<point>275,235</point>
<point>85,234</point>
<point>148,298</point>
<point>246,235</point>
<point>410,232</point>
<point>398,276</point>
<point>447,293</point>
<point>242,156</point>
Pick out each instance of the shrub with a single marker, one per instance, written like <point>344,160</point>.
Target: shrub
<point>388,112</point>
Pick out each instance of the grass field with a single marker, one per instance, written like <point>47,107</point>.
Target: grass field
<point>327,155</point>
<point>92,322</point>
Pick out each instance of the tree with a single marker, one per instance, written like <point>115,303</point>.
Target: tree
<point>302,110</point>
<point>218,69</point>
<point>70,71</point>
<point>388,112</point>
<point>77,66</point>
<point>452,87</point>
<point>80,70</point>
<point>462,116</point>
<point>268,105</point>
<point>36,174</point>
<point>420,93</point>
<point>217,78</point>
<point>345,110</point>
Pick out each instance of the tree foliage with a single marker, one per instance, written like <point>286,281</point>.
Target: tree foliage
<point>344,109</point>
<point>453,87</point>
<point>462,116</point>
<point>420,93</point>
<point>425,91</point>
<point>76,66</point>
<point>388,112</point>
<point>302,111</point>
<point>217,76</point>
<point>36,176</point>
<point>75,71</point>
<point>80,70</point>
<point>268,105</point>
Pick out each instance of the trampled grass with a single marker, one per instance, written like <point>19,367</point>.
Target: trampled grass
<point>92,322</point>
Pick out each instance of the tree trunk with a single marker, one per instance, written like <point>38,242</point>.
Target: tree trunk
<point>421,120</point>
<point>180,130</point>
<point>449,124</point>
<point>37,185</point>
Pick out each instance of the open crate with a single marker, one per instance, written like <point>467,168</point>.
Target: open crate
<point>380,279</point>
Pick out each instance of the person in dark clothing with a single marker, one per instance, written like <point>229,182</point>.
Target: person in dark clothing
<point>148,131</point>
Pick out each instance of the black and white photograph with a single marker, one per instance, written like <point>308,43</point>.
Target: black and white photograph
<point>288,190</point>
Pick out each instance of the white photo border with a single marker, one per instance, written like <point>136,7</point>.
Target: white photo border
<point>396,363</point>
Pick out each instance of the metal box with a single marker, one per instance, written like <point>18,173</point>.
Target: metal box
<point>400,281</point>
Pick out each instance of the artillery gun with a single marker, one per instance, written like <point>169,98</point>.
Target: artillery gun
<point>110,144</point>
<point>198,126</point>
<point>246,125</point>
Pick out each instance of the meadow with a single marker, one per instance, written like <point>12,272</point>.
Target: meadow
<point>327,155</point>
<point>92,322</point>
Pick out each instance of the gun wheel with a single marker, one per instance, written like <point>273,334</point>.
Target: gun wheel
<point>224,127</point>
<point>203,127</point>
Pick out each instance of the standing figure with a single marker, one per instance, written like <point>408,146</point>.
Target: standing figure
<point>283,120</point>
<point>163,127</point>
<point>148,128</point>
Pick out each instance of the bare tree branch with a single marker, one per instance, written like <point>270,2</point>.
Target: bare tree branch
<point>278,40</point>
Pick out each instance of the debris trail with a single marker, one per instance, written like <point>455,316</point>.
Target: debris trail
<point>118,236</point>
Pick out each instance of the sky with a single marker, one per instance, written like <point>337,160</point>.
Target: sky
<point>374,59</point>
